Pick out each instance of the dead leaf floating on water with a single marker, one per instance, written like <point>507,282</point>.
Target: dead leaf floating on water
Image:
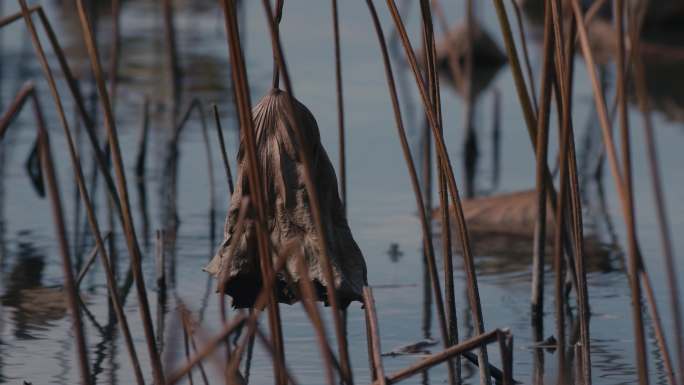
<point>290,222</point>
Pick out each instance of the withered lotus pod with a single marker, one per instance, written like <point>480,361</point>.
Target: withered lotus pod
<point>290,223</point>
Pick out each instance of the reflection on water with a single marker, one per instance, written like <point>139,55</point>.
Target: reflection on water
<point>30,305</point>
<point>176,193</point>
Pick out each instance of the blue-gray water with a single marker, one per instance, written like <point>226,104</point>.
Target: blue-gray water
<point>36,342</point>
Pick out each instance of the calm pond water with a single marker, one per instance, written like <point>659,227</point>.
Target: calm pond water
<point>36,342</point>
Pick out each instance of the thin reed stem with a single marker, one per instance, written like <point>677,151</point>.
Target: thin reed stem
<point>634,261</point>
<point>505,339</point>
<point>471,277</point>
<point>625,196</point>
<point>129,228</point>
<point>195,104</point>
<point>309,303</point>
<point>438,358</point>
<point>187,322</point>
<point>312,193</point>
<point>69,284</point>
<point>374,332</point>
<point>276,20</point>
<point>559,261</point>
<point>526,53</point>
<point>433,85</point>
<point>92,220</point>
<point>243,106</point>
<point>656,183</point>
<point>116,48</point>
<point>340,105</point>
<point>422,213</point>
<point>268,346</point>
<point>530,119</point>
<point>207,348</point>
<point>224,156</point>
<point>90,260</point>
<point>47,165</point>
<point>564,49</point>
<point>542,142</point>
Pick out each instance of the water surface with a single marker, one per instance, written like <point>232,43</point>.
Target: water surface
<point>36,342</point>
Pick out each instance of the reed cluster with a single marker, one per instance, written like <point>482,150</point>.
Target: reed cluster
<point>565,31</point>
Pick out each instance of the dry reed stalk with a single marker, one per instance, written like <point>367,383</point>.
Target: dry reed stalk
<point>186,321</point>
<point>559,265</point>
<point>374,332</point>
<point>17,104</point>
<point>243,106</point>
<point>593,10</point>
<point>279,4</point>
<point>196,105</point>
<point>9,19</point>
<point>100,157</point>
<point>89,315</point>
<point>369,350</point>
<point>521,88</point>
<point>266,343</point>
<point>505,339</point>
<point>580,258</point>
<point>412,170</point>
<point>469,267</point>
<point>116,47</point>
<point>58,216</point>
<point>194,329</point>
<point>309,304</point>
<point>78,98</point>
<point>409,160</point>
<point>658,327</point>
<point>422,213</point>
<point>526,54</point>
<point>447,258</point>
<point>564,49</point>
<point>530,121</point>
<point>186,345</point>
<point>50,177</point>
<point>625,196</point>
<point>656,182</point>
<point>208,348</point>
<point>340,105</point>
<point>438,358</point>
<point>128,226</point>
<point>71,81</point>
<point>239,228</point>
<point>635,262</point>
<point>251,322</point>
<point>542,141</point>
<point>89,261</point>
<point>224,156</point>
<point>92,220</point>
<point>312,194</point>
<point>104,258</point>
<point>612,157</point>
